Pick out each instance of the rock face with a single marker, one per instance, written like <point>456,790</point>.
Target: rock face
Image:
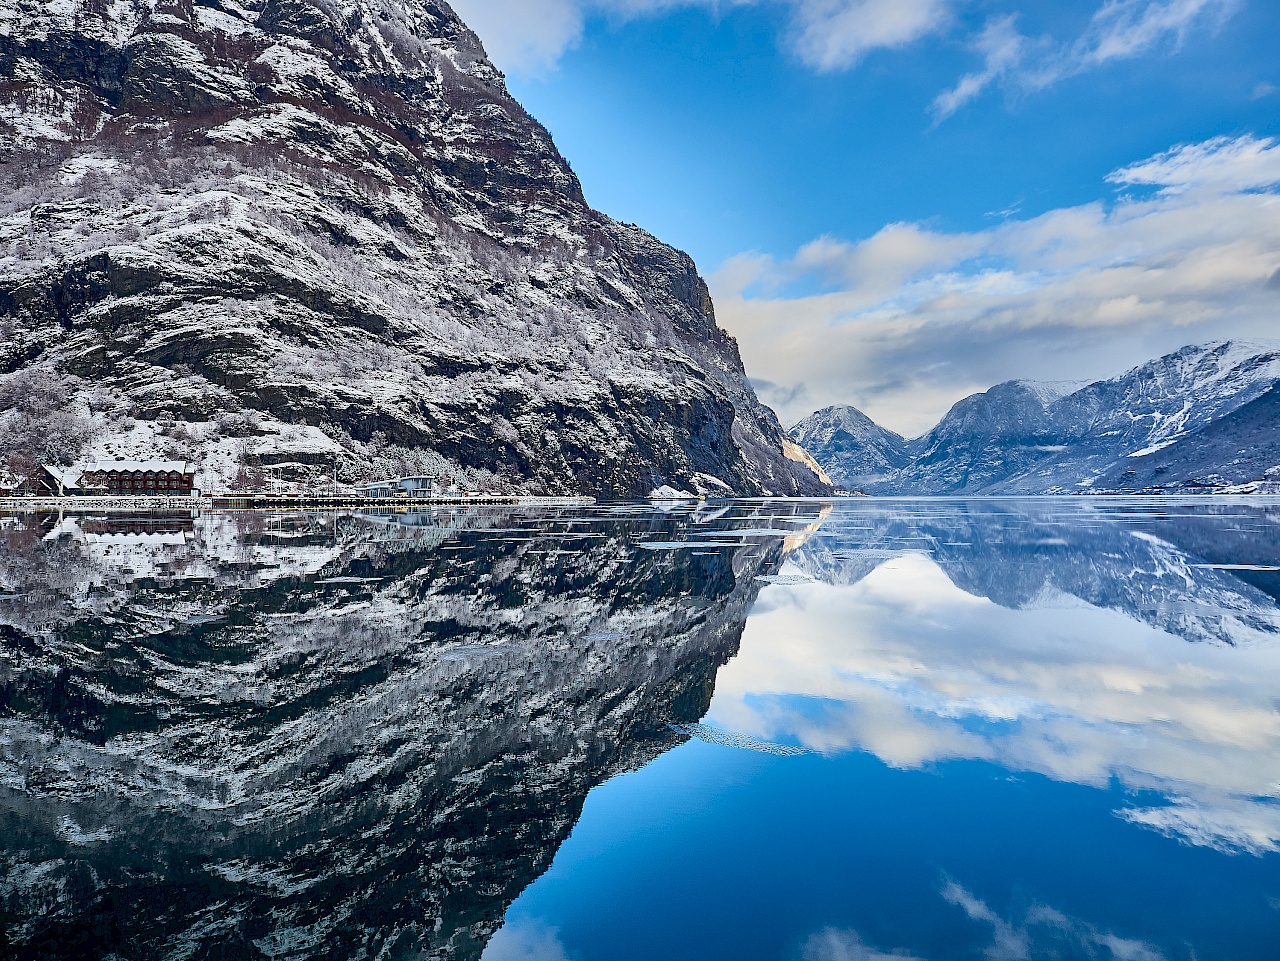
<point>1238,450</point>
<point>334,737</point>
<point>1193,420</point>
<point>983,439</point>
<point>857,452</point>
<point>283,237</point>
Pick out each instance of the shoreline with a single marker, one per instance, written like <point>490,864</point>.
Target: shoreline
<point>240,502</point>
<point>247,502</point>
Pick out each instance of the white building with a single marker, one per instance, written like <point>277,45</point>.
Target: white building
<point>387,488</point>
<point>423,486</point>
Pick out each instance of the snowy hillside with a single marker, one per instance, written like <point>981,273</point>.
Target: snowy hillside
<point>1202,408</point>
<point>1236,451</point>
<point>856,450</point>
<point>283,237</point>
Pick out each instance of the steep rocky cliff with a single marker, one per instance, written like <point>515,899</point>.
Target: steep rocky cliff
<point>281,237</point>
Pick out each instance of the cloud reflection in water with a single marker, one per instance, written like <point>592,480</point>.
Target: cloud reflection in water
<point>902,663</point>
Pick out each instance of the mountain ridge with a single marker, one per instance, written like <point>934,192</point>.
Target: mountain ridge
<point>861,450</point>
<point>1023,437</point>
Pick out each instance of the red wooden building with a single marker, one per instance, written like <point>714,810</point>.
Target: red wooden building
<point>157,478</point>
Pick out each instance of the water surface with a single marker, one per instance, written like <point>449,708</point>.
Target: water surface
<point>861,729</point>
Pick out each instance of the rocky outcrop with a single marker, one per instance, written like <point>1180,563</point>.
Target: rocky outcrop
<point>287,237</point>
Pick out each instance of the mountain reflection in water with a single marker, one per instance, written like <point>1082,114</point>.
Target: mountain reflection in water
<point>363,736</point>
<point>1043,638</point>
<point>333,736</point>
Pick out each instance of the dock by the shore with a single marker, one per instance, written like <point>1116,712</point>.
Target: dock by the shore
<point>240,502</point>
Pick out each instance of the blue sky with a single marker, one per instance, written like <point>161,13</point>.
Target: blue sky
<point>898,202</point>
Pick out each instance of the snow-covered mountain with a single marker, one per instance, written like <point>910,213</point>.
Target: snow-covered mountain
<point>1015,554</point>
<point>856,450</point>
<point>1196,419</point>
<point>273,237</point>
<point>983,438</point>
<point>1233,452</point>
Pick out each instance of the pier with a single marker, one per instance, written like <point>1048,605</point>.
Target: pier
<point>267,502</point>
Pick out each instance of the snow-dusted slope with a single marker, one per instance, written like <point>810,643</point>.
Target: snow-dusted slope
<point>855,451</point>
<point>1240,451</point>
<point>277,235</point>
<point>984,439</point>
<point>1171,397</point>
<point>1025,437</point>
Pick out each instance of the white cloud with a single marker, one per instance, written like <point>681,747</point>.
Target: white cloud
<point>912,668</point>
<point>836,34</point>
<point>893,255</point>
<point>1008,943</point>
<point>525,941</point>
<point>910,320</point>
<point>524,35</point>
<point>531,35</point>
<point>1119,30</point>
<point>1245,163</point>
<point>1003,50</point>
<point>834,944</point>
<point>1122,29</point>
<point>1044,932</point>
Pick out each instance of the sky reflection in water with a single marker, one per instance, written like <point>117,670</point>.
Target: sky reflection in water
<point>1041,730</point>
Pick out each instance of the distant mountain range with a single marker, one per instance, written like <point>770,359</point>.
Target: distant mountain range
<point>1202,419</point>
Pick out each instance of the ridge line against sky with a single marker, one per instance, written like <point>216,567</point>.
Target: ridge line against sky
<point>898,203</point>
<point>905,323</point>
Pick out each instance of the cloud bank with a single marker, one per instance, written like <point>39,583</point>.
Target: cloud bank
<point>908,321</point>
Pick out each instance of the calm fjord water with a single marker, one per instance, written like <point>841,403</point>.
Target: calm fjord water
<point>803,731</point>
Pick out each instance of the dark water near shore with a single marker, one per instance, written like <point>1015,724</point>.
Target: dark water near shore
<point>805,731</point>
